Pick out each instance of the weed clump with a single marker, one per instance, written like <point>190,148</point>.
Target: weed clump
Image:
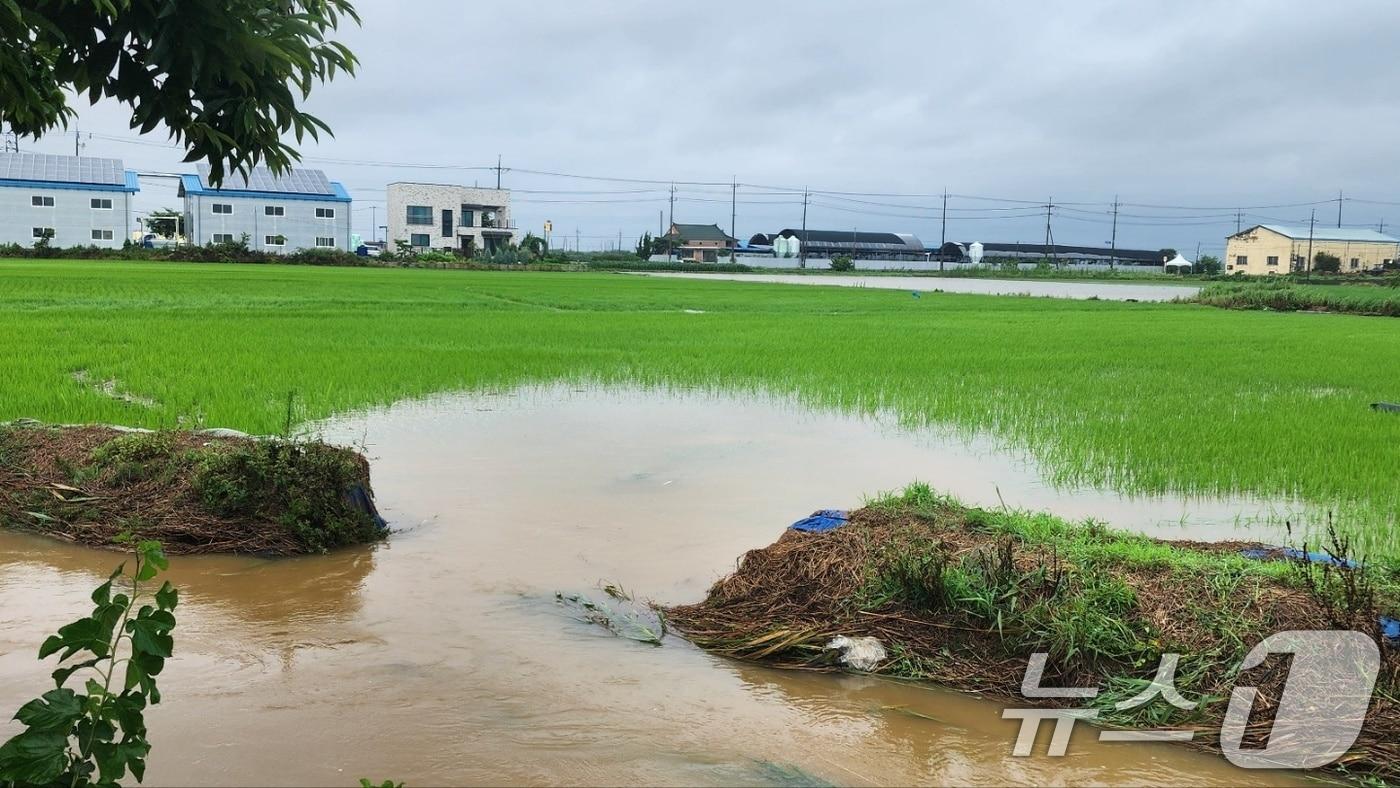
<point>301,485</point>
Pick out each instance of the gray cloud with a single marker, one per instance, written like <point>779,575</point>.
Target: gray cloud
<point>1167,103</point>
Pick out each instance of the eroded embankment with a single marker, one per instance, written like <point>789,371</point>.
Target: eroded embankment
<point>195,492</point>
<point>962,597</point>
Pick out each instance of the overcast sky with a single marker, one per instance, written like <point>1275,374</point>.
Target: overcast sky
<point>1192,104</point>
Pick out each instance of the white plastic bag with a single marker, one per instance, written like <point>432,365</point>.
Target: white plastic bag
<point>858,653</point>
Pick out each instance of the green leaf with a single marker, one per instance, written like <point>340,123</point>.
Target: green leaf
<point>61,675</point>
<point>113,758</point>
<point>154,555</point>
<point>34,757</point>
<point>85,633</point>
<point>148,636</point>
<point>102,595</point>
<point>54,711</point>
<point>167,597</point>
<point>129,708</point>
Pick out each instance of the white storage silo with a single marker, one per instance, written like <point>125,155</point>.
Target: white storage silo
<point>974,252</point>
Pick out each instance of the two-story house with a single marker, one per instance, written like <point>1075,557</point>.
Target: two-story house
<point>459,219</point>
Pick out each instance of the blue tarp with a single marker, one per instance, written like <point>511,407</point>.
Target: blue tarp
<point>1390,627</point>
<point>1297,555</point>
<point>821,521</point>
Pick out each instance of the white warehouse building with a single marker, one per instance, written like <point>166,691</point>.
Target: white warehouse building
<point>75,201</point>
<point>301,209</point>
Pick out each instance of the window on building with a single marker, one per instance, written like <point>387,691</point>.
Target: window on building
<point>325,241</point>
<point>224,208</point>
<point>420,214</point>
<point>101,203</point>
<point>43,232</point>
<point>419,240</point>
<point>1241,259</point>
<point>221,238</point>
<point>274,210</point>
<point>274,240</point>
<point>40,201</point>
<point>1271,260</point>
<point>467,216</point>
<point>1356,262</point>
<point>325,213</point>
<point>446,222</point>
<point>101,235</point>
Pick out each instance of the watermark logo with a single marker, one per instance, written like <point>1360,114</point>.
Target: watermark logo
<point>1319,715</point>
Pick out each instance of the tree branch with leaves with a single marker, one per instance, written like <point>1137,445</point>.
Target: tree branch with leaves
<point>224,77</point>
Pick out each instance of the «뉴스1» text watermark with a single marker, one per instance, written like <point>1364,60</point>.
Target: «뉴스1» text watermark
<point>1318,718</point>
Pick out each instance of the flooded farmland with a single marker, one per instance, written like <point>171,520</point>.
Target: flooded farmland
<point>1104,291</point>
<point>442,657</point>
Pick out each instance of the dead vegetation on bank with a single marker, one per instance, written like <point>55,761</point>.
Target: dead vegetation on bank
<point>961,597</point>
<point>195,493</point>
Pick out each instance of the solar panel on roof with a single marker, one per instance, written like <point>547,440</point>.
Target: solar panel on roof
<point>62,169</point>
<point>261,179</point>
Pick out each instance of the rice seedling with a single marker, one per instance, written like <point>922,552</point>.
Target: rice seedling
<point>1141,398</point>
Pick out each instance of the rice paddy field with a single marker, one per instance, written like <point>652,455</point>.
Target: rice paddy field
<point>1141,398</point>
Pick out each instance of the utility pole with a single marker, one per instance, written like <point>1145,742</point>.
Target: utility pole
<point>733,214</point>
<point>1239,218</point>
<point>619,240</point>
<point>374,222</point>
<point>9,140</point>
<point>498,172</point>
<point>577,239</point>
<point>671,239</point>
<point>1312,219</point>
<point>1339,209</point>
<point>943,237</point>
<point>1381,228</point>
<point>76,132</point>
<point>1113,237</point>
<point>802,256</point>
<point>1049,235</point>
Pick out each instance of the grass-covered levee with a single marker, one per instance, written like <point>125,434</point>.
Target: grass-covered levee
<point>962,597</point>
<point>195,492</point>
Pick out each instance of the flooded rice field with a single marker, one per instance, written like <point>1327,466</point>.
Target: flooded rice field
<point>1104,291</point>
<point>442,657</point>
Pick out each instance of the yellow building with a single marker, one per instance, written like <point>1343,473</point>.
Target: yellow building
<point>1279,249</point>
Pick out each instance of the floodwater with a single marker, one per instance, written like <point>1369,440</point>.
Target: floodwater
<point>1104,291</point>
<point>441,657</point>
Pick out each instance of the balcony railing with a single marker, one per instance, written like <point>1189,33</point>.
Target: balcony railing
<point>496,225</point>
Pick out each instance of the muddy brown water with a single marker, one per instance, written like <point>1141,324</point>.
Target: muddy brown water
<point>441,657</point>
